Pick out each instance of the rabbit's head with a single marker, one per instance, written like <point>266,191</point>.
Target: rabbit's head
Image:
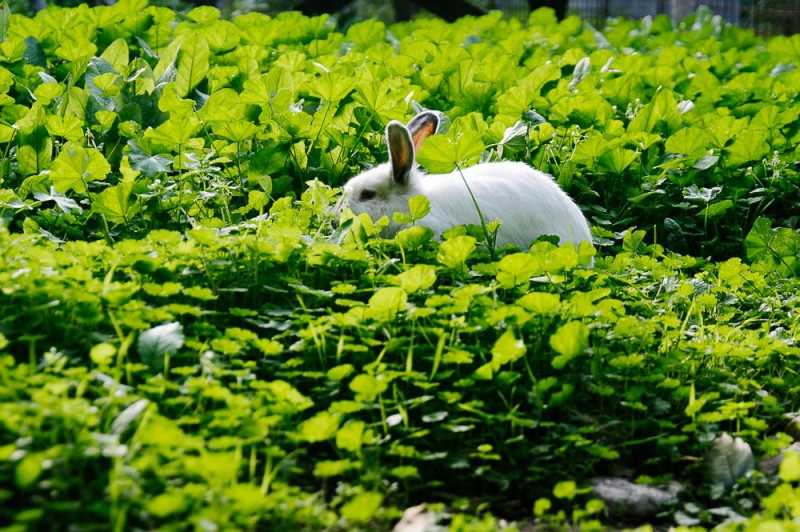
<point>387,187</point>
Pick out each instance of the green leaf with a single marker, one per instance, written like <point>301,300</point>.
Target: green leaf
<point>706,162</point>
<point>617,160</point>
<point>455,251</point>
<point>750,145</point>
<point>147,164</point>
<point>386,302</point>
<point>332,468</point>
<point>662,110</point>
<point>566,489</point>
<point>351,436</point>
<point>62,202</point>
<point>115,202</point>
<point>166,504</point>
<point>193,63</point>
<point>320,427</point>
<point>691,141</point>
<point>506,349</point>
<point>590,150</point>
<point>31,160</point>
<point>440,154</point>
<point>339,372</point>
<point>29,469</point>
<point>366,33</point>
<point>47,92</point>
<point>416,278</point>
<point>779,247</point>
<point>236,131</point>
<point>6,133</point>
<point>288,399</point>
<point>540,302</point>
<point>173,133</point>
<point>33,118</point>
<point>330,87</point>
<point>67,126</point>
<point>368,387</point>
<point>718,208</point>
<point>569,341</point>
<point>418,207</point>
<point>77,49</point>
<point>256,201</point>
<point>161,432</point>
<point>34,53</point>
<point>223,106</point>
<point>164,71</point>
<point>362,507</point>
<point>640,139</point>
<point>404,472</point>
<point>75,166</point>
<point>517,268</point>
<point>705,195</point>
<point>790,467</point>
<point>541,506</point>
<point>5,16</point>
<point>723,128</point>
<point>110,84</point>
<point>204,14</point>
<point>117,55</point>
<point>103,354</point>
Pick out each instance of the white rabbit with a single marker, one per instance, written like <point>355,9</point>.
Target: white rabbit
<point>528,202</point>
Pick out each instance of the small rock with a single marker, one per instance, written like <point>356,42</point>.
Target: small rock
<point>728,459</point>
<point>624,499</point>
<point>793,428</point>
<point>769,466</point>
<point>418,519</point>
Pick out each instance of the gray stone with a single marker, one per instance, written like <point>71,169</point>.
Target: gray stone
<point>728,459</point>
<point>624,499</point>
<point>793,428</point>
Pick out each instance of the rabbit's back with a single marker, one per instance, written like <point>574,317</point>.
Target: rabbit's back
<point>528,202</point>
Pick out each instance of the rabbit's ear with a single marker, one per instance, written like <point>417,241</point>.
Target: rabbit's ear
<point>401,151</point>
<point>423,126</point>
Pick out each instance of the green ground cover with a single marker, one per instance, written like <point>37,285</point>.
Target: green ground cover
<point>186,342</point>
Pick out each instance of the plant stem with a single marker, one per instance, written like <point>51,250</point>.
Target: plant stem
<point>489,241</point>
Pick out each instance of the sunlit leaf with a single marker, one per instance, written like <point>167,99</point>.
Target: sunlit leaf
<point>750,145</point>
<point>193,63</point>
<point>569,341</point>
<point>362,507</point>
<point>386,302</point>
<point>442,153</point>
<point>76,166</point>
<point>322,426</point>
<point>506,349</point>
<point>455,251</point>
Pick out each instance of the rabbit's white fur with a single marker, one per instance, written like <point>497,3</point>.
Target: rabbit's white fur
<point>528,202</point>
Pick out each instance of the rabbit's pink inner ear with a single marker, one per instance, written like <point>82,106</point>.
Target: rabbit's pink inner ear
<point>423,126</point>
<point>427,129</point>
<point>401,151</point>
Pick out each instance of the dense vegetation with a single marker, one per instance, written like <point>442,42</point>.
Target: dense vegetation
<point>186,342</point>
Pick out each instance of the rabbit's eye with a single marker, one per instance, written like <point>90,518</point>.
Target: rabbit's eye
<point>367,195</point>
